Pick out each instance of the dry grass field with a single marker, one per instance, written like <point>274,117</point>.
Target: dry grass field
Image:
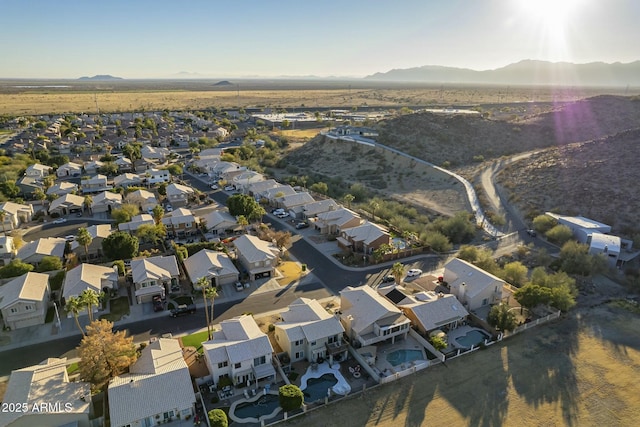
<point>579,371</point>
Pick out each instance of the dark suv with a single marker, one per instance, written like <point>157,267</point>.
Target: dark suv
<point>158,305</point>
<point>182,310</point>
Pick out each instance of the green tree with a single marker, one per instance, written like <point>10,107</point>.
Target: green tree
<point>218,418</point>
<point>458,228</point>
<point>158,214</point>
<point>243,204</point>
<point>348,198</point>
<point>175,169</point>
<point>120,245</point>
<point>398,272</point>
<point>152,233</point>
<point>242,222</point>
<point>132,151</point>
<point>319,187</point>
<point>49,263</point>
<point>438,343</point>
<point>74,306</point>
<point>373,207</point>
<point>544,223</point>
<point>560,234</point>
<point>575,259</point>
<point>84,238</point>
<point>501,318</point>
<point>203,283</point>
<point>104,354</point>
<point>437,241</point>
<point>124,213</point>
<point>290,397</point>
<point>40,195</point>
<point>15,268</point>
<point>532,295</point>
<point>515,273</point>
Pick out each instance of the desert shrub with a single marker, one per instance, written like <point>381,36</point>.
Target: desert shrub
<point>560,234</point>
<point>544,223</point>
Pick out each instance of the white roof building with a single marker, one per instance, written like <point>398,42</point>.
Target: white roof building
<point>88,276</point>
<point>215,266</point>
<point>158,386</point>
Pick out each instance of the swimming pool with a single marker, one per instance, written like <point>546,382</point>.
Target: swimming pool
<point>317,387</point>
<point>399,243</point>
<point>472,338</point>
<point>401,356</point>
<point>266,406</point>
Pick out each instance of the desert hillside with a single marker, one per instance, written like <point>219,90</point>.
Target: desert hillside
<point>461,139</point>
<point>597,179</point>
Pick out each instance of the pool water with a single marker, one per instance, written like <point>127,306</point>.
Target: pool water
<point>399,243</point>
<point>473,337</point>
<point>317,387</point>
<point>263,406</point>
<point>399,357</point>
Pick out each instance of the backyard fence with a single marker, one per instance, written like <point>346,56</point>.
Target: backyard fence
<point>533,323</point>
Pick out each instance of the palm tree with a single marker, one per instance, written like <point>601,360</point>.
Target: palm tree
<point>74,305</point>
<point>39,194</point>
<point>84,238</point>
<point>158,214</point>
<point>348,198</point>
<point>211,293</point>
<point>373,206</point>
<point>90,298</point>
<point>242,222</point>
<point>397,271</point>
<point>88,201</point>
<point>203,283</point>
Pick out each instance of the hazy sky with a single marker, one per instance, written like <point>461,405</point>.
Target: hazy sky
<point>231,38</point>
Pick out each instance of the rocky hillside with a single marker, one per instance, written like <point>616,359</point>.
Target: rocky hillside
<point>597,179</point>
<point>462,140</point>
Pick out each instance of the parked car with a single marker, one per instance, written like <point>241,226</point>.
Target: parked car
<point>70,238</point>
<point>182,310</point>
<point>531,232</point>
<point>229,188</point>
<point>175,287</point>
<point>282,215</point>
<point>277,211</point>
<point>79,214</point>
<point>214,187</point>
<point>168,208</point>
<point>60,221</point>
<point>157,303</point>
<point>414,272</point>
<point>388,279</point>
<point>301,225</point>
<point>239,286</point>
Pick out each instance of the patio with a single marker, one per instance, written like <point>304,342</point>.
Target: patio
<point>386,354</point>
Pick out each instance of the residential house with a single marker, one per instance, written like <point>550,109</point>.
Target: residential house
<point>227,170</point>
<point>61,188</point>
<point>156,390</point>
<point>98,233</point>
<point>95,184</point>
<point>308,332</point>
<point>313,209</point>
<point>15,214</point>
<point>364,238</point>
<point>66,204</point>
<point>33,252</point>
<point>24,300</point>
<point>180,223</point>
<point>220,222</point>
<point>28,185</point>
<point>69,169</point>
<point>88,276</point>
<point>273,194</point>
<point>239,351</point>
<point>178,194</point>
<point>153,276</point>
<point>259,258</point>
<point>428,311</point>
<point>333,222</point>
<point>215,266</point>
<point>143,199</point>
<point>37,171</point>
<point>292,201</point>
<point>132,226</point>
<point>126,180</point>
<point>47,395</point>
<point>106,202</point>
<point>158,154</point>
<point>581,227</point>
<point>606,245</point>
<point>257,189</point>
<point>7,249</point>
<point>155,176</point>
<point>92,167</point>
<point>474,287</point>
<point>124,164</point>
<point>369,318</point>
<point>243,180</point>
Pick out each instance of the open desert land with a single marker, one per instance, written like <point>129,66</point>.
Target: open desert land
<point>21,97</point>
<point>579,371</point>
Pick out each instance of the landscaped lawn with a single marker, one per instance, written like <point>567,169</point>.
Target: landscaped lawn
<point>195,340</point>
<point>118,307</point>
<point>72,368</point>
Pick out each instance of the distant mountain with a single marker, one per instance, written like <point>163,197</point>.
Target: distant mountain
<point>527,72</point>
<point>223,83</point>
<point>101,77</point>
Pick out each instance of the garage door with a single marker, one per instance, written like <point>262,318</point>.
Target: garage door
<point>33,321</point>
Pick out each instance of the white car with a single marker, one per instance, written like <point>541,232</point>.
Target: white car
<point>70,238</point>
<point>60,221</point>
<point>169,208</point>
<point>282,215</point>
<point>214,187</point>
<point>239,286</point>
<point>229,188</point>
<point>414,272</point>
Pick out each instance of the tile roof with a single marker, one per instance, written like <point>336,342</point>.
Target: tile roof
<point>434,311</point>
<point>208,263</point>
<point>87,276</point>
<point>45,246</point>
<point>255,250</point>
<point>366,233</point>
<point>305,318</point>
<point>159,381</point>
<point>154,268</point>
<point>366,307</point>
<point>28,287</point>
<point>475,278</point>
<point>239,339</point>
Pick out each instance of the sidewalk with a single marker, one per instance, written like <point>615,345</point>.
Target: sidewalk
<point>10,340</point>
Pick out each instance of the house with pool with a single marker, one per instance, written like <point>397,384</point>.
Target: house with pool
<point>369,318</point>
<point>474,287</point>
<point>308,332</point>
<point>239,351</point>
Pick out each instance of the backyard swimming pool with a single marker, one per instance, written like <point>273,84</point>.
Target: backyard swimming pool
<point>472,338</point>
<point>317,387</point>
<point>399,357</point>
<point>264,405</point>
